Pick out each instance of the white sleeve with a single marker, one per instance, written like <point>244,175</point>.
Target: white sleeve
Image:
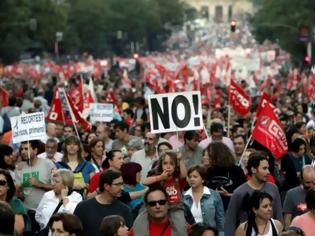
<point>74,199</point>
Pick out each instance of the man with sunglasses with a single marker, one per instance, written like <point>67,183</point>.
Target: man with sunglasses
<point>92,211</point>
<point>155,219</point>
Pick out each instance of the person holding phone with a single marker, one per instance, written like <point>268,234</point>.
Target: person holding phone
<point>61,199</point>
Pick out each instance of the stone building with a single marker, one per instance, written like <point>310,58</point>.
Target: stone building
<point>223,10</point>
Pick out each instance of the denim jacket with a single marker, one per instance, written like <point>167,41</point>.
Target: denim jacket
<point>211,208</point>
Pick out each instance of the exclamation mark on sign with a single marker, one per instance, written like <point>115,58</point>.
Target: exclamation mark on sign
<point>196,106</point>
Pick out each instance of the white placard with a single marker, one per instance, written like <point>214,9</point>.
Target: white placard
<point>103,112</point>
<point>175,112</point>
<point>28,127</point>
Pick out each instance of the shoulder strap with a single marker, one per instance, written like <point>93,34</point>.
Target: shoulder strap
<point>57,208</point>
<point>165,228</point>
<point>274,229</point>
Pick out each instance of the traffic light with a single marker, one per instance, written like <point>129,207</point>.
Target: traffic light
<point>233,25</point>
<point>307,60</point>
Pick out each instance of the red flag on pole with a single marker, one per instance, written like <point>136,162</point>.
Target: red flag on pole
<point>56,112</point>
<point>265,98</point>
<point>4,97</point>
<point>76,93</point>
<point>268,132</point>
<point>239,99</point>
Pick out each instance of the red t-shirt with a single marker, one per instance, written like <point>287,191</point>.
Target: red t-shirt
<point>156,229</point>
<point>94,182</point>
<point>174,187</point>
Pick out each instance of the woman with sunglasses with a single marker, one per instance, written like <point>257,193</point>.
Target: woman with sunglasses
<point>7,191</point>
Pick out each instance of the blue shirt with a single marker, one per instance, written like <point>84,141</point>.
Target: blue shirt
<point>133,203</point>
<point>85,167</point>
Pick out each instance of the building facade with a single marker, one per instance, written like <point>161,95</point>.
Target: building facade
<point>223,10</point>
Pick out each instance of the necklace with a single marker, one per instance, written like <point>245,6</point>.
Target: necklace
<point>263,232</point>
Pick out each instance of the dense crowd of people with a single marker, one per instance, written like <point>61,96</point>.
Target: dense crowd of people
<point>120,178</point>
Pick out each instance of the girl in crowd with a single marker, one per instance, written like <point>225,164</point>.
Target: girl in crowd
<point>73,160</point>
<point>170,174</point>
<point>113,225</point>
<point>205,204</point>
<point>259,219</point>
<point>131,174</point>
<point>223,175</point>
<point>60,199</point>
<point>7,191</point>
<point>96,155</point>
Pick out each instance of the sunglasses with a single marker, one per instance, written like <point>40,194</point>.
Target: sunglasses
<point>161,202</point>
<point>3,182</point>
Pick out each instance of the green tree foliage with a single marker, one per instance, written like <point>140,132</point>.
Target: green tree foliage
<point>101,27</point>
<point>18,35</point>
<point>279,21</point>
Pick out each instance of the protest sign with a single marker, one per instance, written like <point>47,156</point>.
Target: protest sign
<point>175,112</point>
<point>28,127</point>
<point>101,112</point>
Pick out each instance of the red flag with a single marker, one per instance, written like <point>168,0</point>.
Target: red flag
<point>268,132</point>
<point>76,93</point>
<point>56,112</point>
<point>265,99</point>
<point>239,99</point>
<point>77,116</point>
<point>4,97</point>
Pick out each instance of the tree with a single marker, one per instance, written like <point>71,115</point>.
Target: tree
<point>279,21</point>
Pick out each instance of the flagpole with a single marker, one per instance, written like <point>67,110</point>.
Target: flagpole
<point>245,148</point>
<point>71,114</point>
<point>229,108</point>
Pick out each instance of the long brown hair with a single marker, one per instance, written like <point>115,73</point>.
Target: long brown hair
<point>220,154</point>
<point>173,156</point>
<point>69,140</point>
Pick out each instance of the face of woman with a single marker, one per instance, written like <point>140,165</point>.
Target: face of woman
<point>168,165</point>
<point>3,185</point>
<point>72,148</point>
<point>265,209</point>
<point>58,230</point>
<point>57,184</point>
<point>117,161</point>
<point>206,159</point>
<point>122,230</point>
<point>98,149</point>
<point>9,159</point>
<point>195,180</point>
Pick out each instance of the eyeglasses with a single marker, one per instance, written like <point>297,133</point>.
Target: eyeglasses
<point>161,202</point>
<point>3,182</point>
<point>119,184</point>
